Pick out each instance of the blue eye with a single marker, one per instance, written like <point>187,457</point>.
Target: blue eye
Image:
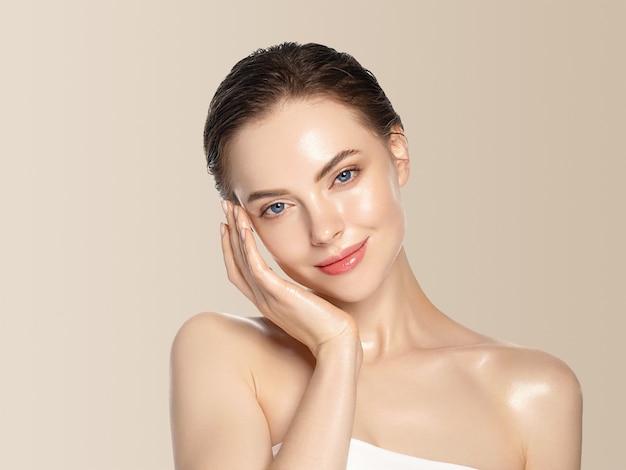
<point>277,207</point>
<point>344,176</point>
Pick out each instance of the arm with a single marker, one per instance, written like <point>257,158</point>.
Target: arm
<point>217,421</point>
<point>319,434</point>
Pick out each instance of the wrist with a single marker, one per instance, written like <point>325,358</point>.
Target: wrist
<point>344,348</point>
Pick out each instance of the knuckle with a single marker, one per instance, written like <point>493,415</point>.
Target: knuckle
<point>258,269</point>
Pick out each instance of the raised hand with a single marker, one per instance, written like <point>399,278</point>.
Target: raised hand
<point>302,314</point>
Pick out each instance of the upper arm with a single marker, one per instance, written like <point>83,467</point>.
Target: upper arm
<point>549,407</point>
<point>216,419</point>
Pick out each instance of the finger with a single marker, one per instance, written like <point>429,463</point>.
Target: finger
<point>234,236</point>
<point>233,271</point>
<point>243,223</point>
<point>261,278</point>
<point>256,264</point>
<point>257,272</point>
<point>250,252</point>
<point>238,238</point>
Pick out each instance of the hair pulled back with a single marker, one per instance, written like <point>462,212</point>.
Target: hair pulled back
<point>267,77</point>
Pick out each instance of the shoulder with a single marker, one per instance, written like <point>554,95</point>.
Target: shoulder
<point>209,343</point>
<point>220,340</point>
<point>228,371</point>
<point>541,386</point>
<point>211,329</point>
<point>541,397</point>
<point>213,391</point>
<point>524,375</point>
<point>213,345</point>
<point>530,374</point>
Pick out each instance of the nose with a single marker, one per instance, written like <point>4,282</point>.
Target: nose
<point>326,222</point>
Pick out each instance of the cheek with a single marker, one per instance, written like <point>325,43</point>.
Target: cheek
<point>283,242</point>
<point>376,205</point>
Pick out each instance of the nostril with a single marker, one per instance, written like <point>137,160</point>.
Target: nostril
<point>324,237</point>
<point>325,221</point>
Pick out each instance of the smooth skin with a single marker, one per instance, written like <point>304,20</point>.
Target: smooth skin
<point>361,354</point>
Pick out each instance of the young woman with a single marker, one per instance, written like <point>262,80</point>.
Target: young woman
<point>349,364</point>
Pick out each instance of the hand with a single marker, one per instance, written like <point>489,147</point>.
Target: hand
<point>303,315</point>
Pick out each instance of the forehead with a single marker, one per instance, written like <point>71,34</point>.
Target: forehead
<point>293,142</point>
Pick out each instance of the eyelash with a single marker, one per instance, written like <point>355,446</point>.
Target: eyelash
<point>266,209</point>
<point>353,171</point>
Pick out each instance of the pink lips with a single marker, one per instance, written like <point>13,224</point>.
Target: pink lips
<point>345,261</point>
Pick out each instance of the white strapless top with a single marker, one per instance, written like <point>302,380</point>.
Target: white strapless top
<point>366,456</point>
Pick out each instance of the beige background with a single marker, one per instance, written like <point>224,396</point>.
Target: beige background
<point>515,113</point>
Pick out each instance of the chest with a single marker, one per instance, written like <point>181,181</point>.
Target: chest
<point>434,410</point>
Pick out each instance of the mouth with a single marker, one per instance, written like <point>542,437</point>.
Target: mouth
<point>345,261</point>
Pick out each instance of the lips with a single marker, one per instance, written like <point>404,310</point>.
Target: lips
<point>345,261</point>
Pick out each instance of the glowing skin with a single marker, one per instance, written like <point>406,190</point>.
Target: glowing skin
<point>370,357</point>
<point>316,182</point>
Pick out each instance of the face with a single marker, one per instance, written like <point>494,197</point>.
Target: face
<point>322,192</point>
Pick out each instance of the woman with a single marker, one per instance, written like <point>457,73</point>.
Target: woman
<point>350,363</point>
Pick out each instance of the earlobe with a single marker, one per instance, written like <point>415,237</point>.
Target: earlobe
<point>399,147</point>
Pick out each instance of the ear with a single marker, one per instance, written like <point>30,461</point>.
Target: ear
<point>399,146</point>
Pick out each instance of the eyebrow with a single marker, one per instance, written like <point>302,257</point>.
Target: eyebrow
<point>265,194</point>
<point>332,163</point>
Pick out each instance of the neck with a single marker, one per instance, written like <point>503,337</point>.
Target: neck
<point>396,317</point>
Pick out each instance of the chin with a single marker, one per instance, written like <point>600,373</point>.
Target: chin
<point>342,298</point>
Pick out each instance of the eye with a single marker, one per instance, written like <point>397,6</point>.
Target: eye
<point>344,176</point>
<point>274,209</point>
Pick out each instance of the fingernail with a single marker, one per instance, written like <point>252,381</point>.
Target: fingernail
<point>222,229</point>
<point>243,235</point>
<point>224,207</point>
<point>236,210</point>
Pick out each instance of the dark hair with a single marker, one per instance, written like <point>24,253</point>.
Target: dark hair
<point>257,83</point>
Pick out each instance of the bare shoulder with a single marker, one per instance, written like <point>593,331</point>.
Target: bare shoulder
<point>529,380</point>
<point>511,368</point>
<point>214,392</point>
<point>541,397</point>
<point>522,375</point>
<point>526,374</point>
<point>211,330</point>
<point>233,337</point>
<point>216,324</point>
